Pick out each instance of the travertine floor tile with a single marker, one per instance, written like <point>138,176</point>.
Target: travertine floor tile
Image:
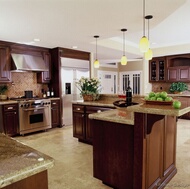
<point>73,160</point>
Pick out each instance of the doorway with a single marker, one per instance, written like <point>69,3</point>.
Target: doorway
<point>108,80</point>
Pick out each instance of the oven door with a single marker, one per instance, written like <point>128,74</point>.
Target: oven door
<point>33,119</point>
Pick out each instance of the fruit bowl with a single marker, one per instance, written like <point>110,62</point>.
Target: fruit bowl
<point>156,102</point>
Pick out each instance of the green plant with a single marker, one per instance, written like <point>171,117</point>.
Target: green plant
<point>178,86</point>
<point>3,88</point>
<point>89,86</point>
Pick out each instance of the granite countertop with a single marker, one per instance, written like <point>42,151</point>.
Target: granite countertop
<point>158,109</point>
<point>126,115</point>
<point>116,115</point>
<point>3,102</point>
<point>18,161</point>
<point>106,103</point>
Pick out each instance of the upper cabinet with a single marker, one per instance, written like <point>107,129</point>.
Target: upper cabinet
<point>178,68</point>
<point>170,68</point>
<point>45,77</point>
<point>157,70</point>
<point>5,65</point>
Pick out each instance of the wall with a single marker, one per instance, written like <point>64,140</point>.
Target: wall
<point>22,81</point>
<point>138,65</point>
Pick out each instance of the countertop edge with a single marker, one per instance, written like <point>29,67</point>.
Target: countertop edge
<point>26,173</point>
<point>113,116</point>
<point>19,161</point>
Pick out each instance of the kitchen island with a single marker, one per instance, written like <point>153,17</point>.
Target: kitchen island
<point>135,147</point>
<point>21,166</point>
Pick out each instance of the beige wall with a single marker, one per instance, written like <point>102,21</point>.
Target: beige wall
<point>141,65</point>
<point>131,66</point>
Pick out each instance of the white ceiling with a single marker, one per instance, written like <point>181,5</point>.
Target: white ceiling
<point>67,23</point>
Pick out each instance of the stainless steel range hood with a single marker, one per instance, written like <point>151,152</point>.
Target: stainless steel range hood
<point>24,62</point>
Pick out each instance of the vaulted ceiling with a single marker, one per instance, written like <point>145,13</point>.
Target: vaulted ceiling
<point>68,23</point>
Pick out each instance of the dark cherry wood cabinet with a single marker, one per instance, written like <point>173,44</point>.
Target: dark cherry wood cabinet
<point>55,113</point>
<point>5,65</point>
<point>79,122</point>
<point>181,73</point>
<point>178,68</point>
<point>157,70</point>
<point>135,156</point>
<point>82,128</point>
<point>45,77</point>
<point>9,122</point>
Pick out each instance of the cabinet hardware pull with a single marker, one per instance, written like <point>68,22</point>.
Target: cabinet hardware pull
<point>98,111</point>
<point>78,108</point>
<point>15,112</point>
<point>10,108</point>
<point>54,103</point>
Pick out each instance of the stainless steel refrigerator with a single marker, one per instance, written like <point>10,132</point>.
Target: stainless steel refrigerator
<point>71,71</point>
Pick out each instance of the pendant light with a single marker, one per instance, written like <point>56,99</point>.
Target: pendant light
<point>148,54</point>
<point>96,62</point>
<point>144,43</point>
<point>123,58</point>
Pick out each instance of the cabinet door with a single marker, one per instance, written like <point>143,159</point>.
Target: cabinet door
<point>154,147</point>
<point>79,121</point>
<point>10,119</point>
<point>169,161</point>
<point>184,73</point>
<point>157,69</point>
<point>45,77</point>
<point>172,74</point>
<point>55,113</point>
<point>78,125</point>
<point>5,65</point>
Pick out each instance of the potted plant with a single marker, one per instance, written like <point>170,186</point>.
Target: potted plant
<point>89,88</point>
<point>178,87</point>
<point>3,88</point>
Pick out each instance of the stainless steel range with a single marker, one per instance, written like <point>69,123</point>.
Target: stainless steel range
<point>34,115</point>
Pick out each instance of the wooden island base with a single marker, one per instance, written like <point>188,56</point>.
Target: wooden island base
<point>139,156</point>
<point>37,181</point>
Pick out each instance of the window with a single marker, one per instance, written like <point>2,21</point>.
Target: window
<point>135,81</point>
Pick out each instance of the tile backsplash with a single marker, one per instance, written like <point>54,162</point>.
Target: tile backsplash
<point>157,87</point>
<point>23,81</point>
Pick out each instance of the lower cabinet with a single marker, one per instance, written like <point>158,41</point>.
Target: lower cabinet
<point>136,156</point>
<point>9,123</point>
<point>82,128</point>
<point>55,113</point>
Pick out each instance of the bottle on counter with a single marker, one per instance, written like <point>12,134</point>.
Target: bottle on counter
<point>52,93</point>
<point>48,93</point>
<point>128,95</point>
<point>44,94</point>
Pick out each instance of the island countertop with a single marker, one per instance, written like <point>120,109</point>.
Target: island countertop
<point>126,115</point>
<point>18,161</point>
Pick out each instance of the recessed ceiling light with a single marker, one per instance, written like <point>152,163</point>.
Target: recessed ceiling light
<point>74,47</point>
<point>36,39</point>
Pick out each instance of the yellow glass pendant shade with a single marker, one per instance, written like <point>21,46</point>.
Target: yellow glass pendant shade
<point>96,64</point>
<point>148,55</point>
<point>144,44</point>
<point>123,60</point>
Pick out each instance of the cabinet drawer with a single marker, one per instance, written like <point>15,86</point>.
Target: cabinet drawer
<point>55,103</point>
<point>94,109</point>
<point>10,107</point>
<point>78,108</point>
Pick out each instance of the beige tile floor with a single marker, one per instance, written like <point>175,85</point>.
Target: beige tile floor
<point>73,160</point>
